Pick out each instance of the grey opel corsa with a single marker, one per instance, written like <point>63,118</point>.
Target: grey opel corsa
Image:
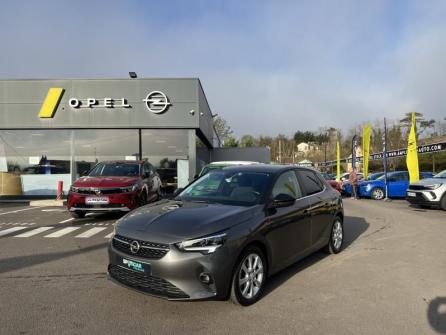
<point>226,233</point>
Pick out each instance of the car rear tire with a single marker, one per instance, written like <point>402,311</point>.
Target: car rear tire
<point>248,281</point>
<point>377,193</point>
<point>336,241</point>
<point>443,202</point>
<point>78,214</point>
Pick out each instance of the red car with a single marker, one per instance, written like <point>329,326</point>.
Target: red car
<point>114,186</point>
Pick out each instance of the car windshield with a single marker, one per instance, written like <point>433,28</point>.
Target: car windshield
<point>208,168</point>
<point>115,170</point>
<point>442,174</point>
<point>228,187</point>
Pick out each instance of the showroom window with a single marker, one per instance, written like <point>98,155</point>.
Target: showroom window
<point>33,161</point>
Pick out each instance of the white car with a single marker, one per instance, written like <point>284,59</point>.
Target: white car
<point>429,192</point>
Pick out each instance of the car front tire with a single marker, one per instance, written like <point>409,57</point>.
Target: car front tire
<point>248,281</point>
<point>443,202</point>
<point>377,193</point>
<point>336,241</point>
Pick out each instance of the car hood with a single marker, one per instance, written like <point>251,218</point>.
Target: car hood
<point>105,181</point>
<point>430,181</point>
<point>171,221</point>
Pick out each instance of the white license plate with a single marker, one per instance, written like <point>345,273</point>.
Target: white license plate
<point>411,194</point>
<point>96,200</point>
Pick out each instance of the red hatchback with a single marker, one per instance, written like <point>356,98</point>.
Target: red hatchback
<point>114,186</point>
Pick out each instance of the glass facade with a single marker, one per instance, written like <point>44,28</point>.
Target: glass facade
<point>33,161</point>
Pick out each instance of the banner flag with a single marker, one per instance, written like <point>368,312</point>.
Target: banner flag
<point>412,154</point>
<point>366,149</point>
<point>338,162</point>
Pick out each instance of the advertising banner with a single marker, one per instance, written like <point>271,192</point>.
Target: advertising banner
<point>412,154</point>
<point>366,149</point>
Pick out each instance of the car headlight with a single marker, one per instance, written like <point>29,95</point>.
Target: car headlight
<point>433,186</point>
<point>205,245</point>
<point>368,187</point>
<point>131,188</point>
<point>74,189</point>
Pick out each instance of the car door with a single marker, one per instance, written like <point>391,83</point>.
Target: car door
<point>288,228</point>
<point>321,207</point>
<point>398,184</point>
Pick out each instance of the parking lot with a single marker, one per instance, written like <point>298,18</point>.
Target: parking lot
<point>389,279</point>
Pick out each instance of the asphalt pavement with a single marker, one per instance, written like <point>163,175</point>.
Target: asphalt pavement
<point>389,279</point>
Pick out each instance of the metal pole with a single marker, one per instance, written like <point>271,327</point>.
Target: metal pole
<point>385,160</point>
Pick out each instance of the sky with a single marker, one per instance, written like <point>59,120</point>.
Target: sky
<point>267,67</point>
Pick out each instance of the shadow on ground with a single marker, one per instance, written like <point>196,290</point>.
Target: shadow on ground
<point>354,227</point>
<point>21,262</point>
<point>436,314</point>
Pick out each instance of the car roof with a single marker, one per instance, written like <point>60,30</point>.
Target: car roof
<point>233,163</point>
<point>123,162</point>
<point>266,168</point>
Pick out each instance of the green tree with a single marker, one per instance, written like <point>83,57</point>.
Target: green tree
<point>222,129</point>
<point>421,123</point>
<point>230,142</point>
<point>247,141</point>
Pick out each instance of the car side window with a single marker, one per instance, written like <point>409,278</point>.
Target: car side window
<point>287,184</point>
<point>310,182</point>
<point>145,170</point>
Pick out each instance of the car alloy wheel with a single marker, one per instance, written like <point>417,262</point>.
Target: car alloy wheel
<point>336,238</point>
<point>249,277</point>
<point>378,193</point>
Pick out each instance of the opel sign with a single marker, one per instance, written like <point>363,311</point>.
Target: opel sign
<point>157,102</point>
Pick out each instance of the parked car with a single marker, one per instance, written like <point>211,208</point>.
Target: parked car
<point>429,192</point>
<point>398,182</point>
<point>221,165</point>
<point>346,187</point>
<point>332,182</point>
<point>344,176</point>
<point>114,186</point>
<point>226,233</point>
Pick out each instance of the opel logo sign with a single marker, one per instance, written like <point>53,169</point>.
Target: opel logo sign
<point>157,102</point>
<point>134,247</point>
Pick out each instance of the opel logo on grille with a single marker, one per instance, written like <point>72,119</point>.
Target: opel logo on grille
<point>134,247</point>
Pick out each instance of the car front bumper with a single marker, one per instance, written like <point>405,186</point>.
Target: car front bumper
<point>119,202</point>
<point>417,197</point>
<point>175,276</point>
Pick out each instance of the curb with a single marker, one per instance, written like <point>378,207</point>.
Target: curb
<point>47,203</point>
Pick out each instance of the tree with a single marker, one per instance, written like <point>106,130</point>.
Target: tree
<point>304,136</point>
<point>222,129</point>
<point>247,141</point>
<point>421,123</point>
<point>230,142</point>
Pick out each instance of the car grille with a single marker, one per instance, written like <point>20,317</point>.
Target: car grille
<point>147,249</point>
<point>92,190</point>
<point>153,285</point>
<point>418,188</point>
<point>79,205</point>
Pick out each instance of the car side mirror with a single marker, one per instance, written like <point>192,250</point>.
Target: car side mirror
<point>283,200</point>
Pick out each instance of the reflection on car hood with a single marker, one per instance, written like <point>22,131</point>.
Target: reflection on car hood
<point>105,181</point>
<point>430,181</point>
<point>170,221</point>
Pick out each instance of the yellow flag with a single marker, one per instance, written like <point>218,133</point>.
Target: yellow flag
<point>366,148</point>
<point>338,162</point>
<point>412,154</point>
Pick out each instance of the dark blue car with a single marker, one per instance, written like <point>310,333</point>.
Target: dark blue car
<point>398,183</point>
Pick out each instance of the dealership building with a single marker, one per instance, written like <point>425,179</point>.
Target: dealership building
<point>56,130</point>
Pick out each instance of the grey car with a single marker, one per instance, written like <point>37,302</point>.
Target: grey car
<point>429,192</point>
<point>226,233</point>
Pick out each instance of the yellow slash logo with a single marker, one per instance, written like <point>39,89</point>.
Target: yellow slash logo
<point>51,102</point>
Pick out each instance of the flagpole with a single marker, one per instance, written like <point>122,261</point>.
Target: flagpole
<point>385,160</point>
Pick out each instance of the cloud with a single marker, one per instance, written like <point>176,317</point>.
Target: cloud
<point>266,68</point>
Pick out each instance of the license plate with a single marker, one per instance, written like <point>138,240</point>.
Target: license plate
<point>136,266</point>
<point>411,194</point>
<point>96,200</point>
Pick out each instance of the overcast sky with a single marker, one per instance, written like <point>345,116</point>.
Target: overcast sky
<point>267,67</point>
